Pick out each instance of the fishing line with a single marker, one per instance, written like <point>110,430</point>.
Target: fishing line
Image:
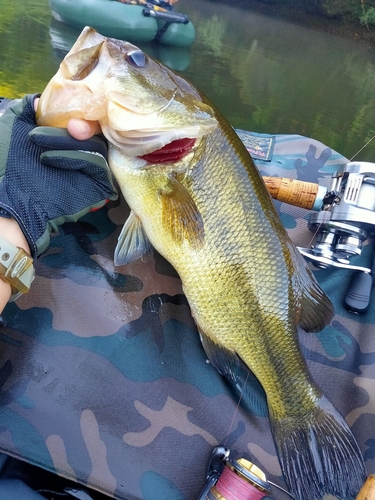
<point>230,486</point>
<point>236,409</point>
<point>363,147</point>
<point>331,204</point>
<point>320,224</point>
<point>282,489</point>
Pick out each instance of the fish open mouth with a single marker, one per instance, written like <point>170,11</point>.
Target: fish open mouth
<point>172,152</point>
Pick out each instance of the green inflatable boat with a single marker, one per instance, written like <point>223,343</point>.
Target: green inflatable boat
<point>134,23</point>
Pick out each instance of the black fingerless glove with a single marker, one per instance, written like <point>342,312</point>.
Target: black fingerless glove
<point>46,176</point>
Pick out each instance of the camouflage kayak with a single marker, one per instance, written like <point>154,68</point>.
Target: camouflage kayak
<point>104,380</point>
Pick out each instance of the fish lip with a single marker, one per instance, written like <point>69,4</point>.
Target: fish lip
<point>137,143</point>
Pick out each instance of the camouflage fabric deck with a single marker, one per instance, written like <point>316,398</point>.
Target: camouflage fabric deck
<point>104,380</point>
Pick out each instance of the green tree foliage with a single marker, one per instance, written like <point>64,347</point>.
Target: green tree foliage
<point>368,17</point>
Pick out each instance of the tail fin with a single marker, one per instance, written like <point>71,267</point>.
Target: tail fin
<point>319,455</point>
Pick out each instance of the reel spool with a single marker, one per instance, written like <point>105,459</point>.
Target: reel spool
<point>228,479</point>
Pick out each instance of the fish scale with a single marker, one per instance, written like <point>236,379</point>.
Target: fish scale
<point>209,214</point>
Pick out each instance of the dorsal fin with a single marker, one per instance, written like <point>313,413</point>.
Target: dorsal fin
<point>315,309</point>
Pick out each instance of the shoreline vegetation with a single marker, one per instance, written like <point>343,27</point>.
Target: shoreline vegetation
<point>354,19</point>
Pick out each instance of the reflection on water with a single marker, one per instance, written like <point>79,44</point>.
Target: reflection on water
<point>272,76</point>
<point>265,74</point>
<point>63,37</point>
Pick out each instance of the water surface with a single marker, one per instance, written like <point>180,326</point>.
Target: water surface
<point>265,74</point>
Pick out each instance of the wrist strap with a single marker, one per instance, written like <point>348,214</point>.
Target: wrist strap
<point>16,268</point>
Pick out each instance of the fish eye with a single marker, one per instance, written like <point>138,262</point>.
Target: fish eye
<point>137,58</point>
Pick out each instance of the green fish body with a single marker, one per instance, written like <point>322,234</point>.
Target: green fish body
<point>197,198</point>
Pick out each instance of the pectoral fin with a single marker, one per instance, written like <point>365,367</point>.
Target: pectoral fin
<point>231,366</point>
<point>180,215</point>
<point>132,242</point>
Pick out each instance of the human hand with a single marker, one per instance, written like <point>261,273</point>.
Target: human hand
<point>47,177</point>
<point>80,130</point>
<point>77,128</point>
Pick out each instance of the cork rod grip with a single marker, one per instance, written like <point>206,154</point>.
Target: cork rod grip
<point>298,193</point>
<point>368,489</point>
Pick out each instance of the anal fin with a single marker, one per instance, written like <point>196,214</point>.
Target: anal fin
<point>251,394</point>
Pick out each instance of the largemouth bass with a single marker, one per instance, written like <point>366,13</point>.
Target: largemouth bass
<point>197,198</point>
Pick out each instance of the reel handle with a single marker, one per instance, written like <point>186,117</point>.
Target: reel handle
<point>358,296</point>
